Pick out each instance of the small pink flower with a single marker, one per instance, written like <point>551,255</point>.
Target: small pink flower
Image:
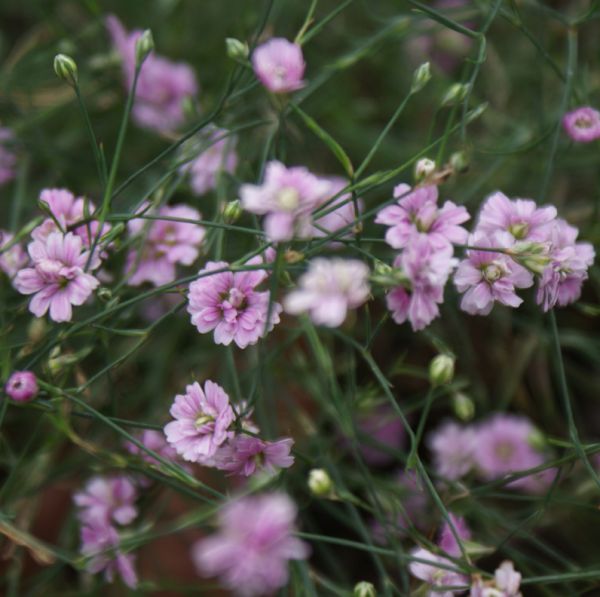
<point>279,65</point>
<point>486,277</point>
<point>453,448</point>
<point>57,279</point>
<point>162,85</point>
<point>229,304</point>
<point>506,583</point>
<point>447,541</point>
<point>430,572</point>
<point>8,159</point>
<point>328,289</point>
<point>107,500</point>
<point>250,553</point>
<point>12,259</point>
<point>244,455</point>
<point>202,421</point>
<point>582,124</point>
<point>22,386</point>
<point>417,214</point>
<point>287,197</point>
<point>167,243</point>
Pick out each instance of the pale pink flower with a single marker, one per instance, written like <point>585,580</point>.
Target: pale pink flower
<point>506,583</point>
<point>582,124</point>
<point>229,304</point>
<point>453,448</point>
<point>279,65</point>
<point>255,541</point>
<point>328,289</point>
<point>167,242</point>
<point>107,500</point>
<point>8,159</point>
<point>162,86</point>
<point>432,574</point>
<point>202,419</point>
<point>447,541</point>
<point>57,278</point>
<point>244,455</point>
<point>561,282</point>
<point>22,386</point>
<point>426,269</point>
<point>12,259</point>
<point>416,214</point>
<point>486,277</point>
<point>287,197</point>
<point>522,219</point>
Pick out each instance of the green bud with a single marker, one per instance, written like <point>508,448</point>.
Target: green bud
<point>387,276</point>
<point>236,50</point>
<point>143,46</point>
<point>66,69</point>
<point>531,255</point>
<point>104,294</point>
<point>459,161</point>
<point>364,589</point>
<point>421,77</point>
<point>537,440</point>
<point>232,211</point>
<point>441,369</point>
<point>456,93</point>
<point>424,168</point>
<point>463,406</point>
<point>320,483</point>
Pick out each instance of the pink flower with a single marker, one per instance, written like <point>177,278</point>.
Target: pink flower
<point>417,214</point>
<point>506,583</point>
<point>561,282</point>
<point>430,571</point>
<point>426,269</point>
<point>244,455</point>
<point>486,277</point>
<point>22,386</point>
<point>380,426</point>
<point>250,552</point>
<point>162,84</point>
<point>106,500</point>
<point>582,124</point>
<point>100,542</point>
<point>279,65</point>
<point>57,279</point>
<point>328,289</point>
<point>522,219</point>
<point>447,541</point>
<point>453,448</point>
<point>229,304</point>
<point>167,243</point>
<point>287,197</point>
<point>8,159</point>
<point>202,421</point>
<point>12,259</point>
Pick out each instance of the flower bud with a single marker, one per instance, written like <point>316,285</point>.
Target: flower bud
<point>236,50</point>
<point>66,69</point>
<point>537,440</point>
<point>36,330</point>
<point>441,369</point>
<point>456,93</point>
<point>143,46</point>
<point>387,276</point>
<point>22,386</point>
<point>463,406</point>
<point>320,483</point>
<point>232,211</point>
<point>531,255</point>
<point>104,294</point>
<point>424,168</point>
<point>459,161</point>
<point>364,589</point>
<point>421,77</point>
<point>291,256</point>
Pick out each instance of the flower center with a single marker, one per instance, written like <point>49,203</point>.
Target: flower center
<point>203,419</point>
<point>504,451</point>
<point>493,272</point>
<point>519,230</point>
<point>583,123</point>
<point>288,199</point>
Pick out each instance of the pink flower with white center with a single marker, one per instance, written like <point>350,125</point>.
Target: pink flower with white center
<point>57,278</point>
<point>430,571</point>
<point>504,446</point>
<point>250,553</point>
<point>162,86</point>
<point>582,124</point>
<point>202,419</point>
<point>453,448</point>
<point>244,455</point>
<point>522,219</point>
<point>506,583</point>
<point>100,542</point>
<point>286,198</point>
<point>343,214</point>
<point>176,239</point>
<point>22,386</point>
<point>12,259</point>
<point>417,214</point>
<point>447,541</point>
<point>561,282</point>
<point>328,289</point>
<point>229,304</point>
<point>486,277</point>
<point>279,65</point>
<point>8,159</point>
<point>215,153</point>
<point>426,269</point>
<point>107,500</point>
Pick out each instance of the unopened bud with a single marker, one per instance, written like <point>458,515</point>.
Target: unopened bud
<point>537,440</point>
<point>463,406</point>
<point>232,211</point>
<point>364,589</point>
<point>456,93</point>
<point>531,255</point>
<point>424,168</point>
<point>320,483</point>
<point>66,69</point>
<point>387,276</point>
<point>104,294</point>
<point>421,77</point>
<point>143,46</point>
<point>291,256</point>
<point>36,330</point>
<point>441,369</point>
<point>459,161</point>
<point>236,50</point>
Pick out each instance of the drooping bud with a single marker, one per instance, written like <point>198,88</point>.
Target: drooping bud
<point>236,50</point>
<point>320,483</point>
<point>143,46</point>
<point>441,369</point>
<point>66,69</point>
<point>364,589</point>
<point>232,211</point>
<point>463,406</point>
<point>456,93</point>
<point>421,77</point>
<point>424,168</point>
